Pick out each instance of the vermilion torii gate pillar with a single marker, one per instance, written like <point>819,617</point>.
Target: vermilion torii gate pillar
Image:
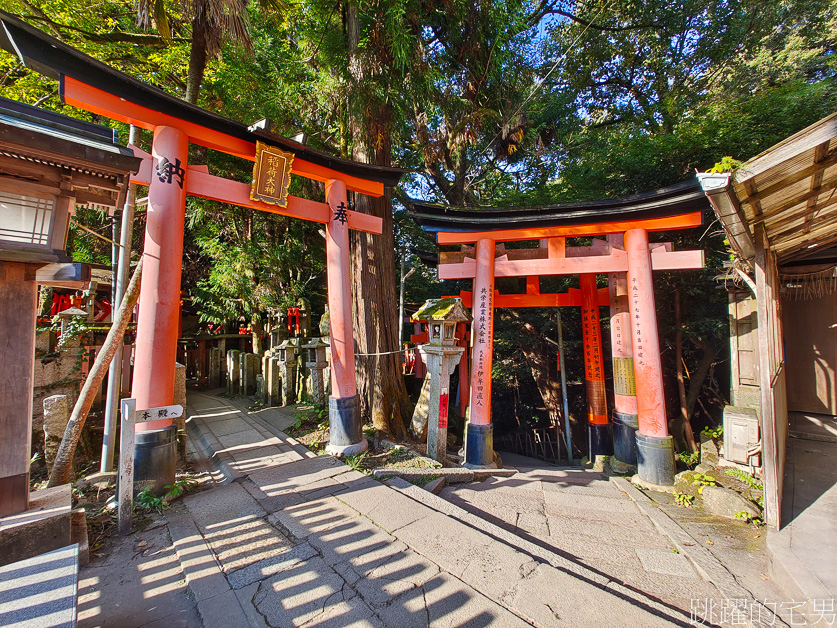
<point>655,448</point>
<point>159,302</point>
<point>479,432</point>
<point>346,432</point>
<point>625,420</point>
<point>599,435</point>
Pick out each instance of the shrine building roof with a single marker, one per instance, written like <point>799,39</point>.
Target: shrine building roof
<point>672,201</point>
<point>32,133</point>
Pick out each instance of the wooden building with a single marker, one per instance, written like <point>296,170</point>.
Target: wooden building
<point>779,211</point>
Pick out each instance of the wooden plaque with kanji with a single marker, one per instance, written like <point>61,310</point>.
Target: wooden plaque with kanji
<point>271,175</point>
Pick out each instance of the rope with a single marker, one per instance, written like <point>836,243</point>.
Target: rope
<point>357,355</point>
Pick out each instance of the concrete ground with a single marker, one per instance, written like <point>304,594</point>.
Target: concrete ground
<point>803,554</point>
<point>286,538</point>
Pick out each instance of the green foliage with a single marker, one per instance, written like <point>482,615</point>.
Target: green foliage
<point>497,103</point>
<point>178,489</point>
<point>713,432</point>
<point>355,461</point>
<point>727,164</point>
<point>689,458</point>
<point>684,499</point>
<point>147,500</point>
<point>743,515</point>
<point>424,480</point>
<point>701,480</point>
<point>75,327</point>
<point>745,477</point>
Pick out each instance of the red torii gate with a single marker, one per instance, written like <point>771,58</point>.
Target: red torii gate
<point>91,85</point>
<point>626,257</point>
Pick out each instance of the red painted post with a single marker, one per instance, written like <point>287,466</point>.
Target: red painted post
<point>479,438</point>
<point>346,431</point>
<point>159,302</point>
<point>655,448</point>
<point>464,370</point>
<point>625,420</point>
<point>600,441</point>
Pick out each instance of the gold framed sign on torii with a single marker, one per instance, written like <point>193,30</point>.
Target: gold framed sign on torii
<point>94,86</point>
<point>638,434</point>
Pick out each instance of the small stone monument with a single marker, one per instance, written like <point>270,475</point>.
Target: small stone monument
<point>441,354</point>
<point>317,364</point>
<point>248,373</point>
<point>304,317</point>
<point>325,324</point>
<point>233,371</point>
<point>65,317</point>
<point>274,382</point>
<point>214,367</point>
<point>56,417</point>
<point>287,360</point>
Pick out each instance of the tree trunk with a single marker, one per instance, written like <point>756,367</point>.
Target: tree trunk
<point>64,458</point>
<point>700,373</point>
<point>547,379</point>
<point>681,384</point>
<point>380,380</point>
<point>197,58</point>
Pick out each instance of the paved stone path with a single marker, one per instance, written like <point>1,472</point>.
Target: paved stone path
<point>292,539</point>
<point>588,519</point>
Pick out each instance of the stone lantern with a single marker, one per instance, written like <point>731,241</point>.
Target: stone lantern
<point>441,356</point>
<point>317,364</point>
<point>287,361</point>
<point>65,316</point>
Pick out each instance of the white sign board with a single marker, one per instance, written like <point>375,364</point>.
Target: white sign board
<point>163,412</point>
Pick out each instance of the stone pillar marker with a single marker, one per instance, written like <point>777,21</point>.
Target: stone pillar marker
<point>274,382</point>
<point>441,354</point>
<point>287,360</point>
<point>317,363</point>
<point>180,399</point>
<point>214,367</point>
<point>233,371</point>
<point>56,417</point>
<point>248,374</point>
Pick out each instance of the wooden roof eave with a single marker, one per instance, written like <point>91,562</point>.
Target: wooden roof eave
<point>722,197</point>
<point>787,190</point>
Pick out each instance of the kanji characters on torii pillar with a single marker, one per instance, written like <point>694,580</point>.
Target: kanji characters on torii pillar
<point>636,357</point>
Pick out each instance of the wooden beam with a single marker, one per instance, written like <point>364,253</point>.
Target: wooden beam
<point>614,262</point>
<point>86,97</point>
<point>203,185</point>
<point>798,175</point>
<point>800,198</point>
<point>599,247</point>
<point>772,455</point>
<point>683,221</point>
<point>775,229</point>
<point>571,298</point>
<point>820,155</point>
<point>806,238</point>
